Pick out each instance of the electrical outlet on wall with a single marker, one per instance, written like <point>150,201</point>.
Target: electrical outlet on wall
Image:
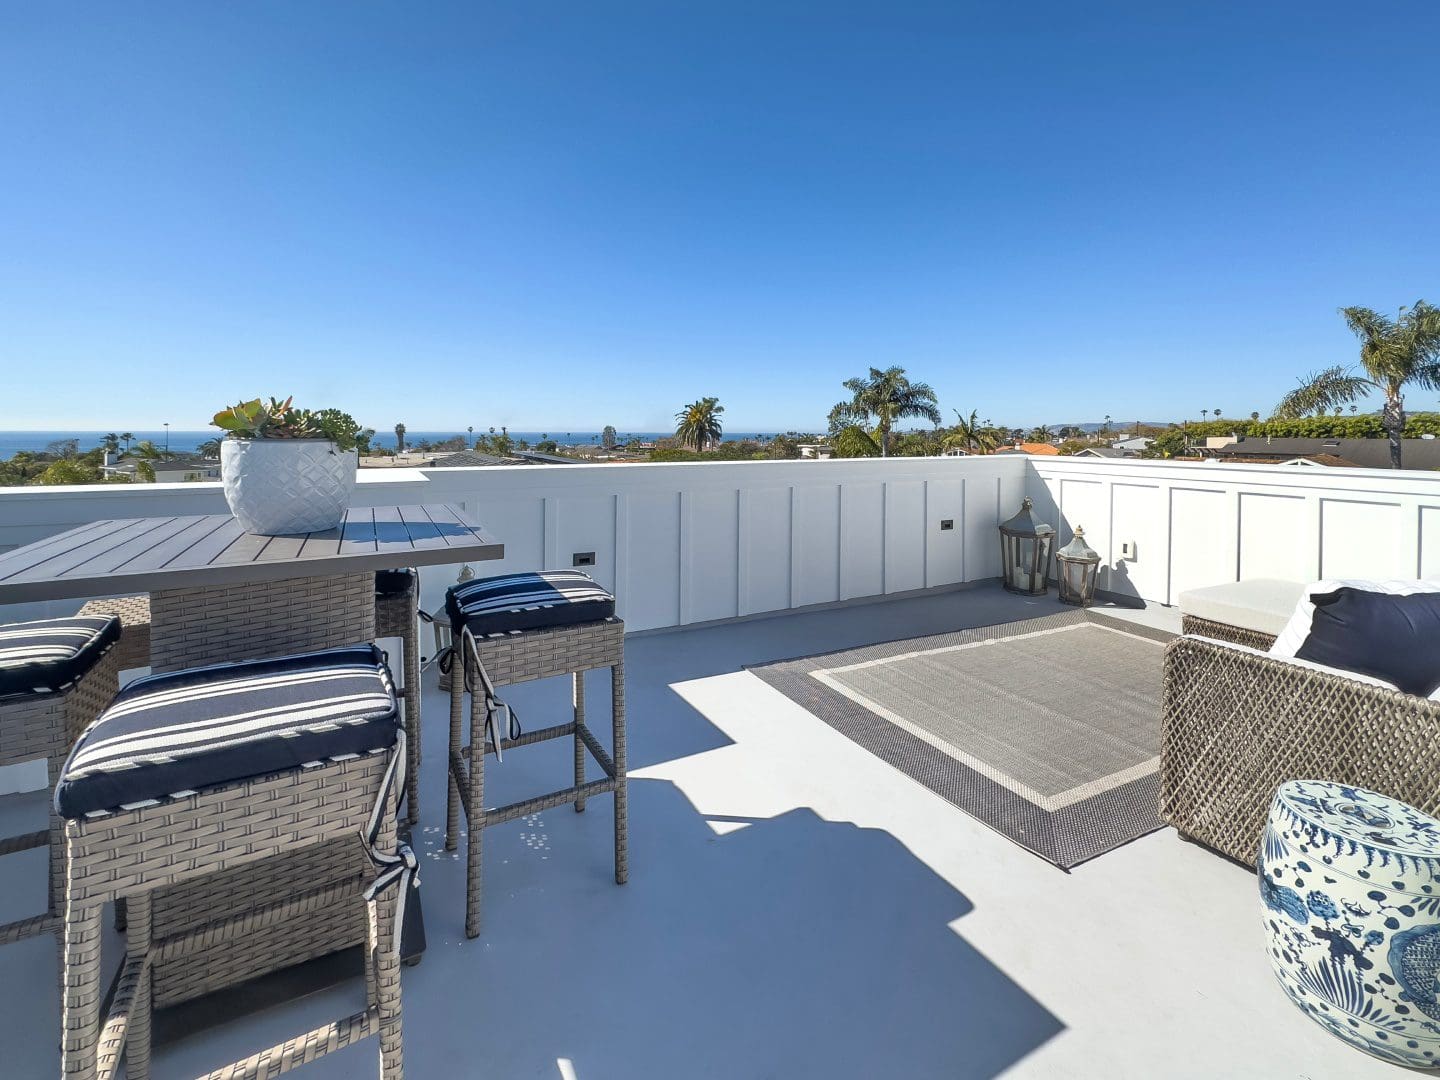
<point>1127,549</point>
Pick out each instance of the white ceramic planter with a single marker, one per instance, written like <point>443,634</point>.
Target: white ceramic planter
<point>276,487</point>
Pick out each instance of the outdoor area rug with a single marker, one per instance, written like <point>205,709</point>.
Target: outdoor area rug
<point>1047,730</point>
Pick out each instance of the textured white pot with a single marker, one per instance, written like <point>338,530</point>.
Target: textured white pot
<point>280,486</point>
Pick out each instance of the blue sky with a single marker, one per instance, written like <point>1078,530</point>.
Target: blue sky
<point>563,215</point>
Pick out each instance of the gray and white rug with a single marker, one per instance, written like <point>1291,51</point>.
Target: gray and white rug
<point>1047,730</point>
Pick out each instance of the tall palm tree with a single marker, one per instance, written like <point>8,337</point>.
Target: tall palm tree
<point>698,424</point>
<point>1204,413</point>
<point>1040,434</point>
<point>885,397</point>
<point>1393,354</point>
<point>125,437</point>
<point>1255,416</point>
<point>399,438</point>
<point>1215,413</point>
<point>111,442</point>
<point>210,448</point>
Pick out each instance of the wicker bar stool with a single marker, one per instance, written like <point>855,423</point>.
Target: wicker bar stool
<point>134,615</point>
<point>56,675</point>
<point>211,771</point>
<point>397,615</point>
<point>514,629</point>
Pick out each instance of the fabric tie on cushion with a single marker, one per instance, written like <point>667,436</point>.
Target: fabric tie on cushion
<point>493,704</point>
<point>391,868</point>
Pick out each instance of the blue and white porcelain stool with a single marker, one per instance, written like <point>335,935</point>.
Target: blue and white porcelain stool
<point>1350,891</point>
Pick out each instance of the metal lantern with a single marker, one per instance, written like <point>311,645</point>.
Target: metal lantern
<point>1077,565</point>
<point>1025,548</point>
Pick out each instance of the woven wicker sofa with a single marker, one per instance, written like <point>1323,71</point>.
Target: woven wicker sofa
<point>1238,723</point>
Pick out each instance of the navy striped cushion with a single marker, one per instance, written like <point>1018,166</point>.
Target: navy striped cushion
<point>394,582</point>
<point>49,655</point>
<point>499,605</point>
<point>209,726</point>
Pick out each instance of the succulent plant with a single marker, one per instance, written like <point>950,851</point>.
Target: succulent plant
<point>275,419</point>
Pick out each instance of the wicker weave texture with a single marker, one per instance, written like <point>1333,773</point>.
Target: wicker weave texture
<point>1236,726</point>
<point>523,657</point>
<point>132,853</point>
<point>397,615</point>
<point>134,615</point>
<point>1240,635</point>
<point>216,624</point>
<point>46,726</point>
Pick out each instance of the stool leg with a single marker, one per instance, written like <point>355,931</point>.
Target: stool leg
<point>578,678</point>
<point>386,964</point>
<point>80,1027</point>
<point>137,1031</point>
<point>622,806</point>
<point>475,812</point>
<point>411,645</point>
<point>55,765</point>
<point>452,802</point>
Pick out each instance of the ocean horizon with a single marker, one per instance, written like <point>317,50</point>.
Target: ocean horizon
<point>183,442</point>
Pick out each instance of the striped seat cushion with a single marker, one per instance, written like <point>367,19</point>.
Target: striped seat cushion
<point>205,727</point>
<point>51,654</point>
<point>394,582</point>
<point>535,601</point>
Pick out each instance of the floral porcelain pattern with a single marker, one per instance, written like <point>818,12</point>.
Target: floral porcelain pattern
<point>1350,894</point>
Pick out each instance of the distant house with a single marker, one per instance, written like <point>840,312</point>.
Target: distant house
<point>1333,453</point>
<point>1134,444</point>
<point>466,459</point>
<point>820,451</point>
<point>1105,452</point>
<point>1034,449</point>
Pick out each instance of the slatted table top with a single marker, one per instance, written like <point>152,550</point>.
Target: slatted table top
<point>123,555</point>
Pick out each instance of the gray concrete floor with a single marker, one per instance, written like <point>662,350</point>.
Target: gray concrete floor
<point>796,908</point>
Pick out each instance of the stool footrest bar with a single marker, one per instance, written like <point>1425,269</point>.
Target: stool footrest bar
<point>21,929</point>
<point>117,1023</point>
<point>11,844</point>
<point>282,1057</point>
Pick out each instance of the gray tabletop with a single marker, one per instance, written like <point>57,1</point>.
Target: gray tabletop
<point>113,556</point>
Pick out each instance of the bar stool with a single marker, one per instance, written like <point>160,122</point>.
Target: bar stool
<point>210,770</point>
<point>513,629</point>
<point>56,675</point>
<point>134,615</point>
<point>397,615</point>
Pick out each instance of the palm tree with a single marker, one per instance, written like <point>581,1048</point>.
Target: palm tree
<point>210,448</point>
<point>1040,434</point>
<point>399,438</point>
<point>886,396</point>
<point>698,424</point>
<point>1216,413</point>
<point>1203,414</point>
<point>1393,354</point>
<point>970,435</point>
<point>1255,416</point>
<point>111,442</point>
<point>1353,409</point>
<point>471,430</point>
<point>125,437</point>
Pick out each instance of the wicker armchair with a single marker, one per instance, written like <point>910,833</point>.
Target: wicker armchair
<point>1237,724</point>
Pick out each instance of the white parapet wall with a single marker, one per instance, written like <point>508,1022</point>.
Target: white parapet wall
<point>679,543</point>
<point>1191,524</point>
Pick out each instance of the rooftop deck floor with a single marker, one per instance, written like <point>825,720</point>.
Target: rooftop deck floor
<point>796,908</point>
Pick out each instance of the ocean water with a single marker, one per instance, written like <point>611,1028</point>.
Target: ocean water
<point>187,441</point>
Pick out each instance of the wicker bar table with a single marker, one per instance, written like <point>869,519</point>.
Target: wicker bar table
<point>219,594</point>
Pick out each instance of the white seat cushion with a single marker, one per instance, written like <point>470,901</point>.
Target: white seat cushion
<point>1263,604</point>
<point>1297,628</point>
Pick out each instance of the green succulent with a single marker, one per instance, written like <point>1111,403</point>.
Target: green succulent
<point>275,419</point>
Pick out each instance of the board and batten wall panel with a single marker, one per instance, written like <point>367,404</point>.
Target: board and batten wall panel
<point>944,548</point>
<point>712,541</point>
<point>765,555</point>
<point>1202,538</point>
<point>651,596</point>
<point>1362,539</point>
<point>1276,531</point>
<point>1137,517</point>
<point>815,541</point>
<point>862,540</point>
<point>906,533</point>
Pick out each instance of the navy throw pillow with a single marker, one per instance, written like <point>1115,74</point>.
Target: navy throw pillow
<point>1395,638</point>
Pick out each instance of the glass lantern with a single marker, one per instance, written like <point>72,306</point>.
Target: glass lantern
<point>1025,549</point>
<point>1077,565</point>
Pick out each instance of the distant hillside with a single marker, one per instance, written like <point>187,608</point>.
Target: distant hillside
<point>1116,426</point>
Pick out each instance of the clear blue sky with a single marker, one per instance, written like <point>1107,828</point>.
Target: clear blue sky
<point>560,215</point>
